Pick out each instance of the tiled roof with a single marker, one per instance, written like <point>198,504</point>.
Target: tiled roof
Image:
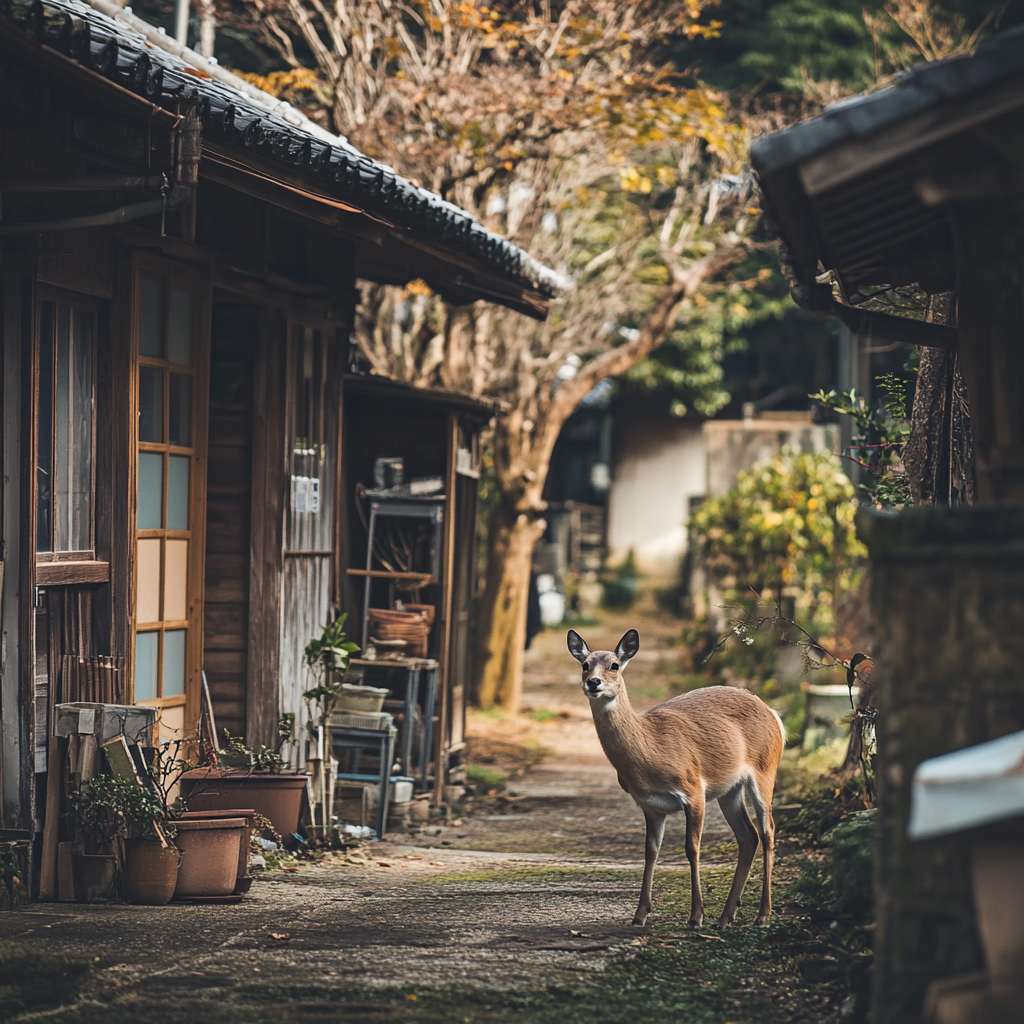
<point>243,117</point>
<point>914,91</point>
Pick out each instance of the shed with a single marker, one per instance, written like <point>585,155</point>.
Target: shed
<point>178,264</point>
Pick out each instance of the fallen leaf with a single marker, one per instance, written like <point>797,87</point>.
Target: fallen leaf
<point>571,932</point>
<point>281,936</point>
<point>414,856</point>
<point>383,863</point>
<point>292,870</point>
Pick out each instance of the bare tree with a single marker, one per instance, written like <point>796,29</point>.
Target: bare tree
<point>568,133</point>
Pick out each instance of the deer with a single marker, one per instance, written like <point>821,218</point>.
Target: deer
<point>713,743</point>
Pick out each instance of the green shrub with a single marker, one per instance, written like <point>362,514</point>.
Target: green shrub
<point>620,583</point>
<point>842,882</point>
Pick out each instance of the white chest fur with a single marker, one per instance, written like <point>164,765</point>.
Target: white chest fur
<point>668,802</point>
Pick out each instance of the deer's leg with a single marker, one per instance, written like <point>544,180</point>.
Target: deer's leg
<point>761,794</point>
<point>694,829</point>
<point>746,838</point>
<point>655,835</point>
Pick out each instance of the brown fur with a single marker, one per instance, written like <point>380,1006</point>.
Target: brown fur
<point>713,743</point>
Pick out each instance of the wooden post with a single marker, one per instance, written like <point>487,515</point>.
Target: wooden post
<point>266,550</point>
<point>447,590</point>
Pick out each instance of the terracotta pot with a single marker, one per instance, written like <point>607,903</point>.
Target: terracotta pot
<point>209,856</point>
<point>277,797</point>
<point>93,876</point>
<point>150,871</point>
<point>243,881</point>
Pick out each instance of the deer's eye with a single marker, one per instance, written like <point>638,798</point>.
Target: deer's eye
<point>586,667</point>
<point>615,666</point>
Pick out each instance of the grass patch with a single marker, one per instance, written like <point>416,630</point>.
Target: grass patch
<point>485,776</point>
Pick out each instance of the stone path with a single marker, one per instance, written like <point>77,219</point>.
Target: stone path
<point>536,893</point>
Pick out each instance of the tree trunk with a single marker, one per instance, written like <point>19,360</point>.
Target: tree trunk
<point>939,456</point>
<point>502,623</point>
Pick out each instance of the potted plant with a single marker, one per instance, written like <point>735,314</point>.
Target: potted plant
<point>114,810</point>
<point>247,777</point>
<point>327,657</point>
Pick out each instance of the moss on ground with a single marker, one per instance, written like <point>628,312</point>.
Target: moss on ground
<point>667,971</point>
<point>31,980</point>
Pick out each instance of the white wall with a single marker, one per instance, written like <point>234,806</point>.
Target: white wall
<point>734,445</point>
<point>659,465</point>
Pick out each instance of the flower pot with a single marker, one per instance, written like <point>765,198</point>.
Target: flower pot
<point>93,877</point>
<point>150,871</point>
<point>277,797</point>
<point>209,856</point>
<point>355,699</point>
<point>243,881</point>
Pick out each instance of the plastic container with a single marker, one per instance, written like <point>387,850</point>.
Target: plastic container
<point>361,699</point>
<point>379,720</point>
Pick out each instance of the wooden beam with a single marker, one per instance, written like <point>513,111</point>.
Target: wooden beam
<point>62,574</point>
<point>266,532</point>
<point>444,672</point>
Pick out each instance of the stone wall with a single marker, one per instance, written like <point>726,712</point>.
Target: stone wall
<point>948,607</point>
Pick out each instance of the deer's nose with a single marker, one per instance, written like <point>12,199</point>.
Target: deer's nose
<point>593,684</point>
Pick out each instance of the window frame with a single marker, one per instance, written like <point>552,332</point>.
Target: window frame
<point>84,568</point>
<point>169,275</point>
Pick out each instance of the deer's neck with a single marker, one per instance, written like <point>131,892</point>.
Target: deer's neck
<point>620,731</point>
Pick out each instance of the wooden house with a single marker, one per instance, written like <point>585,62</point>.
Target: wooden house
<point>180,438</point>
<point>900,212</point>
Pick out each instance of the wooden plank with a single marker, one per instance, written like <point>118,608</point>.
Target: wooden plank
<point>227,627</point>
<point>445,626</point>
<point>266,534</point>
<point>219,662</point>
<point>51,824</point>
<point>381,574</point>
<point>63,574</point>
<point>227,577</point>
<point>230,470</point>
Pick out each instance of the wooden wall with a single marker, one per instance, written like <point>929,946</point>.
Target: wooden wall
<point>229,498</point>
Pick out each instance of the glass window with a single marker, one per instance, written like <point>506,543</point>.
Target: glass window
<point>177,492</point>
<point>180,411</point>
<point>179,328</point>
<point>174,662</point>
<point>151,491</point>
<point>64,428</point>
<point>151,319</point>
<point>146,650</point>
<point>151,404</point>
<point>166,433</point>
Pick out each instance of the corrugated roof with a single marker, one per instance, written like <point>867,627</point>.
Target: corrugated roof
<point>243,117</point>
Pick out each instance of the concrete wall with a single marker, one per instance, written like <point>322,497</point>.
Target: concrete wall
<point>734,445</point>
<point>658,467</point>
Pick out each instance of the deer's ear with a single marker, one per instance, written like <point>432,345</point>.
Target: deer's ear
<point>627,646</point>
<point>577,646</point>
